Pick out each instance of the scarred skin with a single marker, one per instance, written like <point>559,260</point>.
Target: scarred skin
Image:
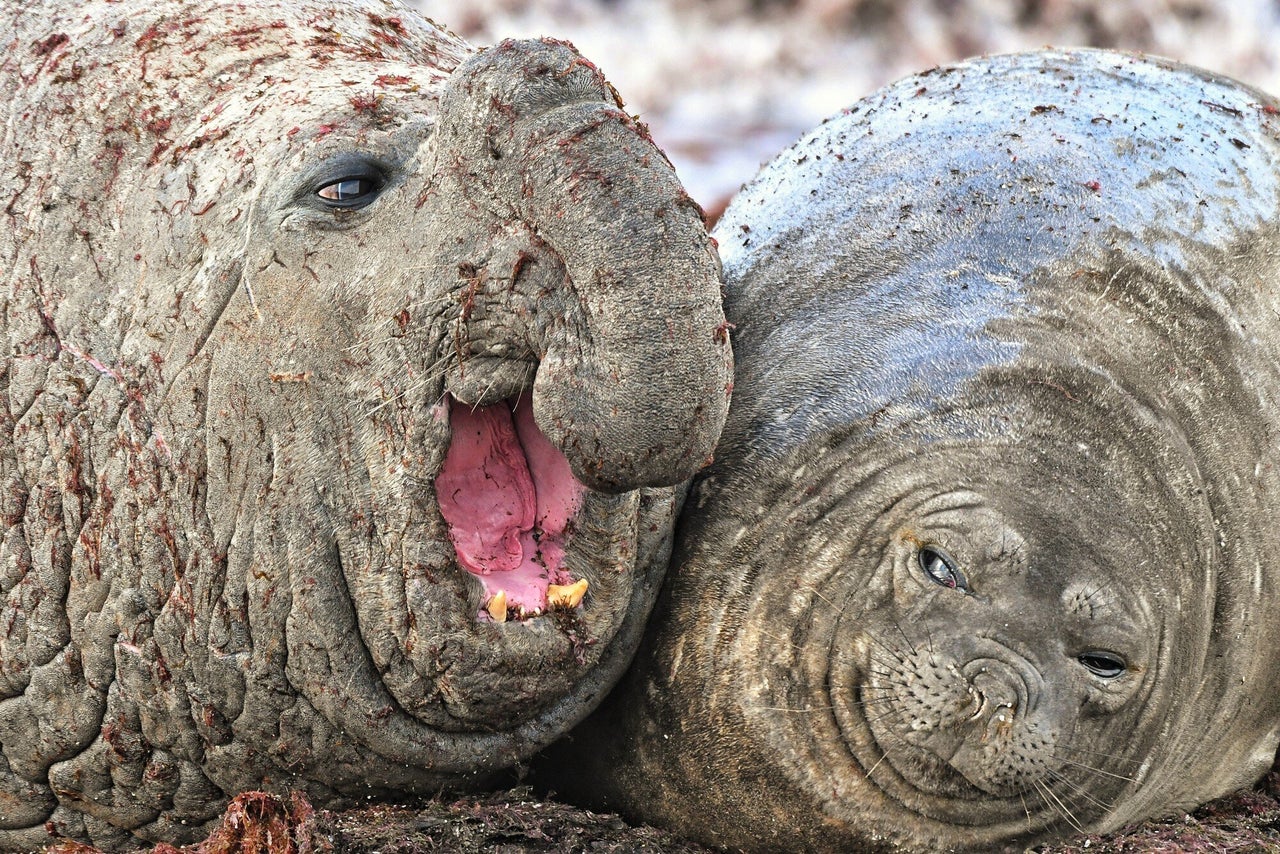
<point>987,555</point>
<point>226,400</point>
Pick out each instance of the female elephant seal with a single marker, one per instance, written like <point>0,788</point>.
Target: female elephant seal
<point>986,554</point>
<point>349,370</point>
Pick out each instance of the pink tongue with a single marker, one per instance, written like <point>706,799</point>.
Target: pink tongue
<point>507,495</point>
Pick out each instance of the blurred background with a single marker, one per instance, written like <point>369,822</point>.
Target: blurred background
<point>726,84</point>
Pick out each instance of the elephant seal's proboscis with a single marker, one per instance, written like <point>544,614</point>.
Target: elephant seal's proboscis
<point>988,552</point>
<point>349,373</point>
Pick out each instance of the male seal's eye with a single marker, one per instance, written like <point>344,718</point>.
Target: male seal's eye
<point>354,191</point>
<point>941,569</point>
<point>1108,665</point>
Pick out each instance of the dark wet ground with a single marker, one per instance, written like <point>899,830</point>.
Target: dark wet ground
<point>516,821</point>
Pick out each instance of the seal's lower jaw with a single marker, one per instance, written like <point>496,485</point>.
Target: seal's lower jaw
<point>963,776</point>
<point>970,759</point>
<point>502,632</point>
<point>510,501</point>
<point>924,764</point>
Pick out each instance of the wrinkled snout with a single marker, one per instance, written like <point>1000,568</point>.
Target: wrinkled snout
<point>1005,739</point>
<point>633,381</point>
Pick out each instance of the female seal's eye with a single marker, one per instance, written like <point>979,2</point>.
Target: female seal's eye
<point>354,191</point>
<point>941,569</point>
<point>1108,665</point>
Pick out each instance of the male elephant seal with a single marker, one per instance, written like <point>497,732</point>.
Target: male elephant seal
<point>264,262</point>
<point>987,555</point>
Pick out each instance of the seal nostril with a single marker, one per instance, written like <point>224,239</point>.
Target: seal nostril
<point>978,702</point>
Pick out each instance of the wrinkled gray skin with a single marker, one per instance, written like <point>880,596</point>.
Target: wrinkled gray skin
<point>1024,312</point>
<point>223,563</point>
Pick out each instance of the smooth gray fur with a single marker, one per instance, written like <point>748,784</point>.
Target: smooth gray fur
<point>1022,311</point>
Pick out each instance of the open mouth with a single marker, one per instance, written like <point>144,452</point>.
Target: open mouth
<point>510,500</point>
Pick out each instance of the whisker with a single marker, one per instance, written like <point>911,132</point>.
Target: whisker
<point>492,382</point>
<point>929,635</point>
<point>910,645</point>
<point>1079,790</point>
<point>889,713</point>
<point>780,639</point>
<point>387,321</point>
<point>403,394</point>
<point>1112,756</point>
<point>884,754</point>
<point>813,588</point>
<point>430,375</point>
<point>807,711</point>
<point>882,673</point>
<point>897,656</point>
<point>1093,770</point>
<point>866,686</point>
<point>1053,800</point>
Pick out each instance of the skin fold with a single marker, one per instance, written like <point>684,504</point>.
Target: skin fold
<point>257,258</point>
<point>986,554</point>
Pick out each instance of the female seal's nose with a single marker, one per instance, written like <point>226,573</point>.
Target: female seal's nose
<point>1002,688</point>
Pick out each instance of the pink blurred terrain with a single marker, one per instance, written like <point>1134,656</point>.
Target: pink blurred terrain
<point>727,84</point>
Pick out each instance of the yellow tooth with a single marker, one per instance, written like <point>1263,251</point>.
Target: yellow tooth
<point>566,595</point>
<point>497,606</point>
